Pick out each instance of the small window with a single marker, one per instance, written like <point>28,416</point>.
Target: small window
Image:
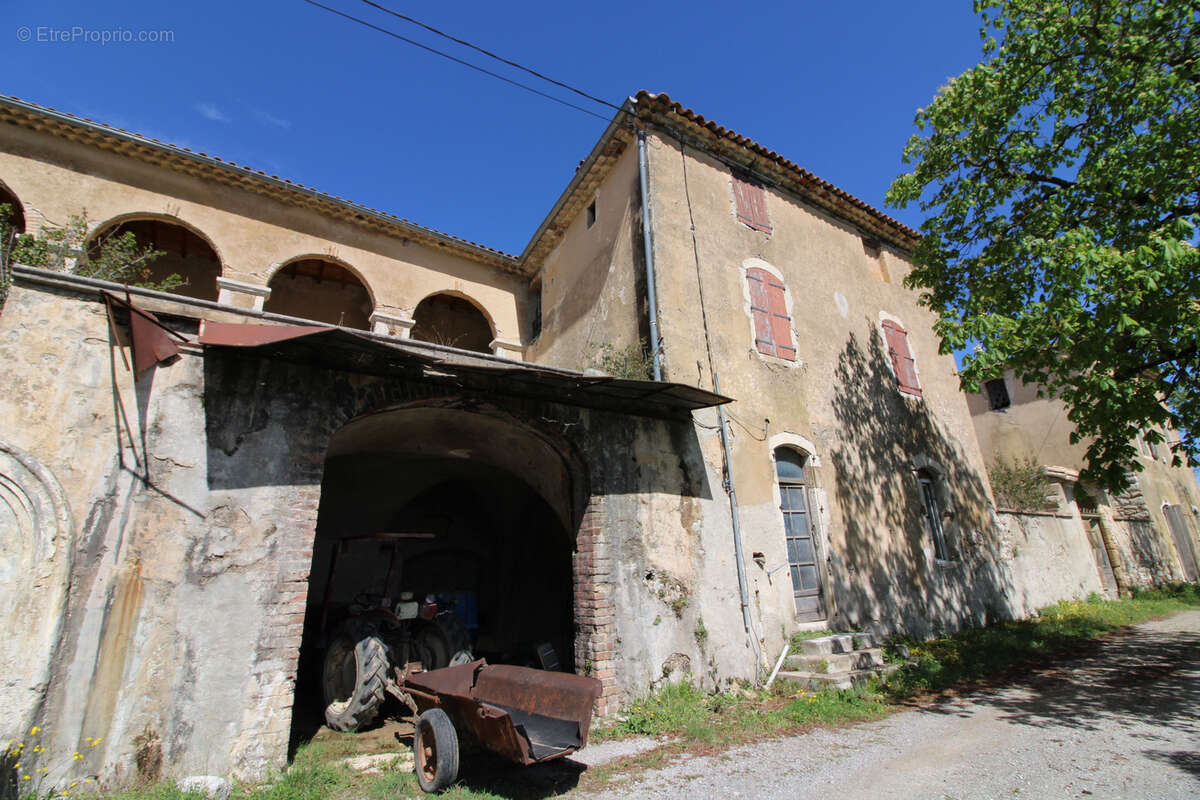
<point>591,214</point>
<point>997,394</point>
<point>933,512</point>
<point>870,247</point>
<point>751,201</point>
<point>535,312</point>
<point>1151,448</point>
<point>903,363</point>
<point>768,305</point>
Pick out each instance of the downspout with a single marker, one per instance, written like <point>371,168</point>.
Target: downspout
<point>743,594</point>
<point>648,247</point>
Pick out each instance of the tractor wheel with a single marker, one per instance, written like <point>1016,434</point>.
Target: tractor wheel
<point>356,668</point>
<point>442,642</point>
<point>435,750</point>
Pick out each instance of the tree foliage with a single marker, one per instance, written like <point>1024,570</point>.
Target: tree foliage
<point>1061,182</point>
<point>109,256</point>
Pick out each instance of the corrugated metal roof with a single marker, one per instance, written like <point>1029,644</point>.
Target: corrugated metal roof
<point>342,349</point>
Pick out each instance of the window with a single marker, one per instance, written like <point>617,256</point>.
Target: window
<point>801,546</point>
<point>591,214</point>
<point>768,306</point>
<point>903,363</point>
<point>933,512</point>
<point>535,312</point>
<point>997,394</point>
<point>751,201</point>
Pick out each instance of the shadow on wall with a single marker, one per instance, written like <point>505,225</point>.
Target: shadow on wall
<point>884,572</point>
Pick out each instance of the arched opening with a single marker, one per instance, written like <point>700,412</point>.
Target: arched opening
<point>803,560</point>
<point>322,290</point>
<point>15,216</point>
<point>453,321</point>
<point>471,511</point>
<point>183,252</point>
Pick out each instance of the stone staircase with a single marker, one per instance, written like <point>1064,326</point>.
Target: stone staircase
<point>842,661</point>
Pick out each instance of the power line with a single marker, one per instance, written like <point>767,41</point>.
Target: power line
<point>490,54</point>
<point>449,57</point>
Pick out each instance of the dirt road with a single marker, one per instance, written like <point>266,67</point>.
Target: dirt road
<point>1121,723</point>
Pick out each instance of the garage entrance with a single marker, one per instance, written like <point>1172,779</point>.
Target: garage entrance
<point>466,509</point>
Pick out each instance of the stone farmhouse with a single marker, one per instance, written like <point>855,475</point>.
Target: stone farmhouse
<point>1146,535</point>
<point>798,454</point>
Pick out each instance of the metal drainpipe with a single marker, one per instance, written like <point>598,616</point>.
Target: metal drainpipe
<point>648,246</point>
<point>743,594</point>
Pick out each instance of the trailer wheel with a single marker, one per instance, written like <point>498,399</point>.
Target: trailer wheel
<point>435,751</point>
<point>356,668</point>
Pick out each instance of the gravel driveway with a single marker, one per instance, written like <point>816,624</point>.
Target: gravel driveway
<point>1122,723</point>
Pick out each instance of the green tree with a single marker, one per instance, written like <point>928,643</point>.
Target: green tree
<point>1060,179</point>
<point>109,256</point>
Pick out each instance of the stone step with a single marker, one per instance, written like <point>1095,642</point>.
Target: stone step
<point>837,643</point>
<point>837,662</point>
<point>843,680</point>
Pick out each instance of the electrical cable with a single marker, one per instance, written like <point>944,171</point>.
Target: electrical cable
<point>449,57</point>
<point>490,54</point>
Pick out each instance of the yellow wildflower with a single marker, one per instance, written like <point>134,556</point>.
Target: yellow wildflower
<point>34,731</point>
<point>26,778</point>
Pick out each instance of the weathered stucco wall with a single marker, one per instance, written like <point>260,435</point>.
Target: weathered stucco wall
<point>1049,559</point>
<point>170,639</point>
<point>253,236</point>
<point>1031,427</point>
<point>839,398</point>
<point>591,282</point>
<point>186,586</point>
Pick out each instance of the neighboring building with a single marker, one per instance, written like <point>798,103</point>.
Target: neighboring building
<point>174,530</point>
<point>1157,518</point>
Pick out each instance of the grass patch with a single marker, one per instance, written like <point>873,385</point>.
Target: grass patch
<point>682,710</point>
<point>979,653</point>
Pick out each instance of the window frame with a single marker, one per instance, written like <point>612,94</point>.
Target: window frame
<point>930,494</point>
<point>767,304</point>
<point>894,333</point>
<point>992,401</point>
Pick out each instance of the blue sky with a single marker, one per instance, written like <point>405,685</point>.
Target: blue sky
<point>288,88</point>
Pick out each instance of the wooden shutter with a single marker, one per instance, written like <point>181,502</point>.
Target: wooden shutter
<point>751,201</point>
<point>768,305</point>
<point>903,363</point>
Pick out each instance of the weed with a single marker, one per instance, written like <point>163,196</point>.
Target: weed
<point>797,639</point>
<point>701,633</point>
<point>1018,484</point>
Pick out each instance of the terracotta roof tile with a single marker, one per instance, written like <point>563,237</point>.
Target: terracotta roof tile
<point>137,137</point>
<point>663,103</point>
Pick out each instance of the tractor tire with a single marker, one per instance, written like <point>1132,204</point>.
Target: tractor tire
<point>354,677</point>
<point>435,751</point>
<point>442,642</point>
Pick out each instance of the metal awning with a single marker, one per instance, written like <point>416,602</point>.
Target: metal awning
<point>351,351</point>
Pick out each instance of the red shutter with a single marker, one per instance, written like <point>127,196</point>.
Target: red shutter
<point>903,362</point>
<point>772,325</point>
<point>751,201</point>
<point>760,309</point>
<point>781,323</point>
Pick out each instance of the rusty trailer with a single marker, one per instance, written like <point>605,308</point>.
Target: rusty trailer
<point>524,715</point>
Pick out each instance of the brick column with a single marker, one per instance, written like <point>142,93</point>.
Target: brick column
<point>595,611</point>
<point>285,593</point>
